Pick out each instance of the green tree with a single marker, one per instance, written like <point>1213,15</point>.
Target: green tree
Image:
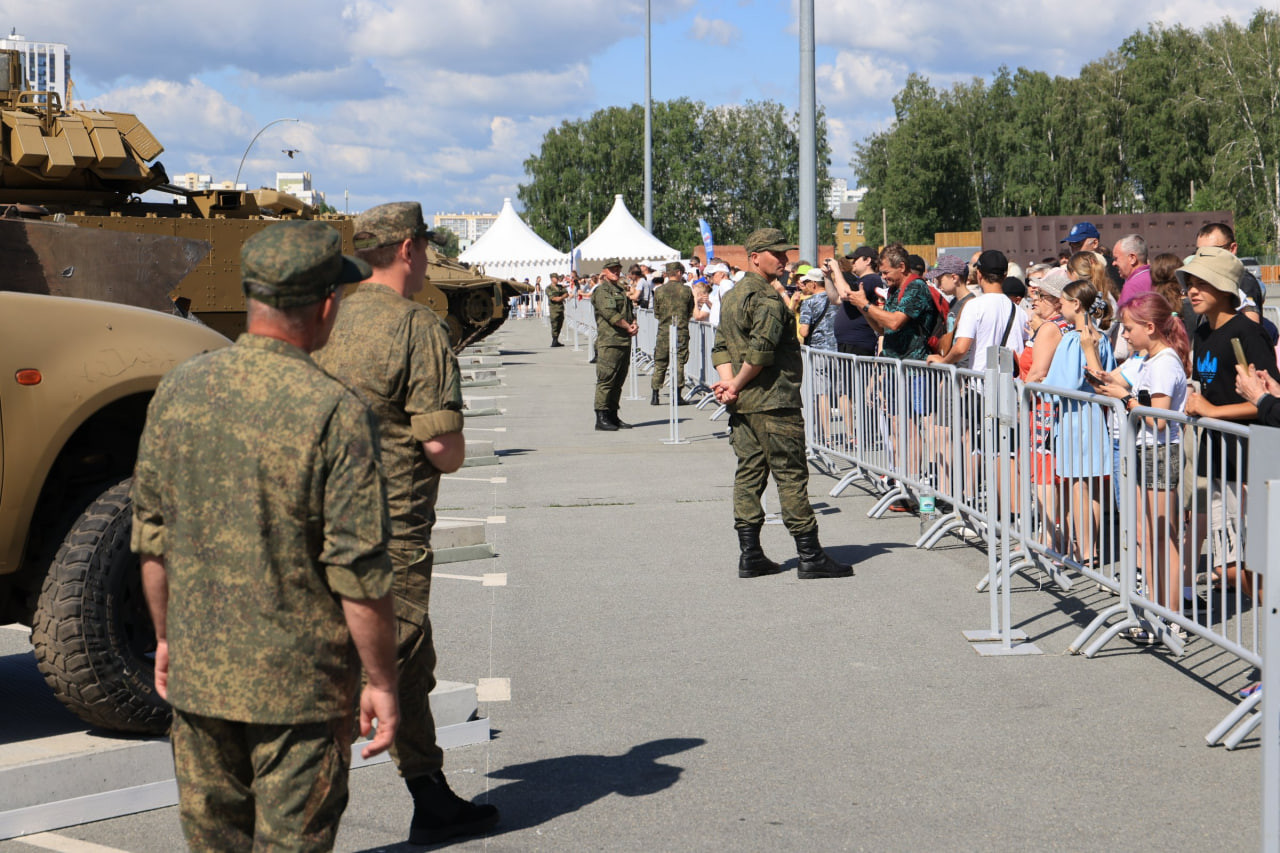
<point>450,246</point>
<point>735,166</point>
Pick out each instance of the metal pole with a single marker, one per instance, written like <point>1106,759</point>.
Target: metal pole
<point>648,116</point>
<point>673,368</point>
<point>255,139</point>
<point>808,138</point>
<point>1271,672</point>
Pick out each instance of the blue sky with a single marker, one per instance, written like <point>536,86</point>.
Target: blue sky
<point>443,102</point>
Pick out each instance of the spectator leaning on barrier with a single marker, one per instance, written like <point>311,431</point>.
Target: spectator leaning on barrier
<point>262,534</point>
<point>757,357</point>
<point>854,334</point>
<point>949,276</point>
<point>1212,279</point>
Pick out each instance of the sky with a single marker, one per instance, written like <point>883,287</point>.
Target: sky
<point>443,102</point>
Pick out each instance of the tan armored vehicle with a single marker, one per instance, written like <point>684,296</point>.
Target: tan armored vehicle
<point>97,298</point>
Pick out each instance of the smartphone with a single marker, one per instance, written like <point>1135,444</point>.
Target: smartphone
<point>1094,378</point>
<point>1239,350</point>
<point>1144,398</point>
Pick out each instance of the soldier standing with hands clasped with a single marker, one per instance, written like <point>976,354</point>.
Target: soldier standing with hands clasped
<point>396,352</point>
<point>260,517</point>
<point>556,296</point>
<point>757,356</point>
<point>672,305</point>
<point>615,327</point>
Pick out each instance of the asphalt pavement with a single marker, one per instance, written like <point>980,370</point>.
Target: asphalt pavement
<point>659,702</point>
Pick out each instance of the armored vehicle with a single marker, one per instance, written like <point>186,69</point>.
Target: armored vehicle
<point>100,295</point>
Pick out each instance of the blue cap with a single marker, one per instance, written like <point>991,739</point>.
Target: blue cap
<point>1080,232</point>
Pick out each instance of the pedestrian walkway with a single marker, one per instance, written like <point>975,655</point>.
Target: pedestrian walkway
<point>659,702</point>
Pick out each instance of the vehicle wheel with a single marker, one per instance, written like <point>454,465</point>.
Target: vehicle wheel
<point>92,635</point>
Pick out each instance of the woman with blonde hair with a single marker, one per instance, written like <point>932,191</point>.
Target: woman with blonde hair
<point>1081,440</point>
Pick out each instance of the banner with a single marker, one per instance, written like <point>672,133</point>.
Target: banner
<point>706,238</point>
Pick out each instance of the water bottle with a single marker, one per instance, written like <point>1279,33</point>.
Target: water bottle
<point>927,507</point>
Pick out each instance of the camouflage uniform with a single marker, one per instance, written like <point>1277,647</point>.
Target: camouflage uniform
<point>767,425</point>
<point>263,522</point>
<point>556,289</point>
<point>613,345</point>
<point>672,304</point>
<point>395,352</point>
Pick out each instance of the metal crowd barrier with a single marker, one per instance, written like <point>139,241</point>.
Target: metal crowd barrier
<point>1060,481</point>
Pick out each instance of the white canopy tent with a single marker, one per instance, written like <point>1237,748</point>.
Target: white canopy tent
<point>511,249</point>
<point>620,236</point>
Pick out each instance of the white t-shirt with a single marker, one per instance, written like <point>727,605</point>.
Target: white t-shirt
<point>717,294</point>
<point>1163,373</point>
<point>984,319</point>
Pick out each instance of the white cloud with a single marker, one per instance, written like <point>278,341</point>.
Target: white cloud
<point>181,115</point>
<point>859,79</point>
<point>714,31</point>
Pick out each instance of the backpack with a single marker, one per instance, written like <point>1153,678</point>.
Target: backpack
<point>940,326</point>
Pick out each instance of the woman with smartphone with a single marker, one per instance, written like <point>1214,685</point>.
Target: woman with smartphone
<point>1081,442</point>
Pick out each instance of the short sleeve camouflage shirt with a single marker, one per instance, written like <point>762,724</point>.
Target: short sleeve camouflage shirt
<point>257,482</point>
<point>395,353</point>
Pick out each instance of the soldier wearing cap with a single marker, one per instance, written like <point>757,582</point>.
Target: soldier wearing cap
<point>260,517</point>
<point>615,327</point>
<point>396,353</point>
<point>556,296</point>
<point>757,356</point>
<point>672,304</point>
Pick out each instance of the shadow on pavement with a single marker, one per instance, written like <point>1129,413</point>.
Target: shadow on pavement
<point>543,790</point>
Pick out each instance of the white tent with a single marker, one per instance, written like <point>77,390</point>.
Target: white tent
<point>511,249</point>
<point>620,236</point>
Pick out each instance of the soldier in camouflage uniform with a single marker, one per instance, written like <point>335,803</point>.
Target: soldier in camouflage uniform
<point>260,517</point>
<point>672,304</point>
<point>396,353</point>
<point>757,356</point>
<point>615,327</point>
<point>556,296</point>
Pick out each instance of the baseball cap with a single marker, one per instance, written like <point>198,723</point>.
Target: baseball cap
<point>992,262</point>
<point>863,252</point>
<point>767,240</point>
<point>388,224</point>
<point>1013,286</point>
<point>1215,266</point>
<point>916,264</point>
<point>290,264</point>
<point>1052,282</point>
<point>1080,232</point>
<point>814,274</point>
<point>948,265</point>
<point>715,267</point>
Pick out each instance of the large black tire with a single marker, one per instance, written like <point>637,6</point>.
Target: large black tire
<point>92,634</point>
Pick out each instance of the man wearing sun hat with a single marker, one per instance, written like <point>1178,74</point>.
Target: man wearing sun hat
<point>396,352</point>
<point>757,356</point>
<point>260,517</point>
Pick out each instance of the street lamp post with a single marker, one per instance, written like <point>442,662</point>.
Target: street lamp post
<point>255,139</point>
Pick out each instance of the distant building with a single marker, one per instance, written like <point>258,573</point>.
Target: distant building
<point>299,184</point>
<point>469,227</point>
<point>47,64</point>
<point>850,229</point>
<point>195,182</point>
<point>835,194</point>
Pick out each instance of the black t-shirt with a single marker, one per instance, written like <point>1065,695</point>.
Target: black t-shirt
<point>851,327</point>
<point>1213,365</point>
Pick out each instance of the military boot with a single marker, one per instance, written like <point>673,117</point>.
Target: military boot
<point>555,342</point>
<point>613,418</point>
<point>439,814</point>
<point>653,399</point>
<point>604,422</point>
<point>680,400</point>
<point>752,563</point>
<point>815,562</point>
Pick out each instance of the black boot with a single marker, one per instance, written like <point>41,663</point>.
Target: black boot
<point>613,419</point>
<point>440,814</point>
<point>752,563</point>
<point>815,562</point>
<point>681,401</point>
<point>653,399</point>
<point>604,422</point>
<point>556,343</point>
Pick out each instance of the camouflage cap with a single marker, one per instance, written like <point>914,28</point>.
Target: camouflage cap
<point>767,240</point>
<point>611,262</point>
<point>675,266</point>
<point>297,263</point>
<point>388,224</point>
